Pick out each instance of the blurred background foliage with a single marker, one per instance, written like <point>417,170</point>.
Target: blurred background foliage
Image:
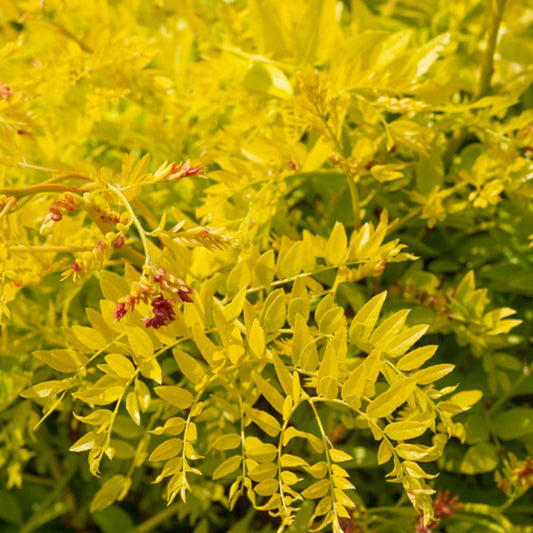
<point>302,114</point>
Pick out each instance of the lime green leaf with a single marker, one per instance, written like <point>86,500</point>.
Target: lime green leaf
<point>416,358</point>
<point>366,318</point>
<point>267,79</point>
<point>166,450</point>
<point>404,340</point>
<point>514,423</point>
<point>132,406</point>
<point>175,395</point>
<point>113,489</point>
<point>480,458</point>
<point>264,420</point>
<point>259,451</point>
<point>384,451</point>
<point>390,400</point>
<point>273,315</point>
<point>267,487</point>
<point>189,366</point>
<point>338,456</point>
<point>256,339</point>
<point>89,337</point>
<point>328,374</point>
<point>62,360</point>
<point>228,466</point>
<point>432,373</point>
<point>465,399</point>
<point>407,429</point>
<point>120,365</point>
<point>227,442</point>
<point>263,471</point>
<point>140,342</point>
<point>354,386</point>
<point>337,245</point>
<point>317,490</point>
<point>274,398</point>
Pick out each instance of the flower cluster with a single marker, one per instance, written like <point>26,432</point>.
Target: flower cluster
<point>351,524</point>
<point>95,258</point>
<point>176,171</point>
<point>5,91</point>
<point>212,239</point>
<point>62,206</point>
<point>521,476</point>
<point>163,311</point>
<point>443,506</point>
<point>170,283</point>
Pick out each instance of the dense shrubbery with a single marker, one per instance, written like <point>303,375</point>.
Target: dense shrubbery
<point>258,254</point>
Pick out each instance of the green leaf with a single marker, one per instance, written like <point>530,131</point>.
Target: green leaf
<point>113,519</point>
<point>175,395</point>
<point>274,398</point>
<point>132,406</point>
<point>364,321</point>
<point>273,316</point>
<point>317,490</point>
<point>10,511</point>
<point>264,420</point>
<point>140,342</point>
<point>227,442</point>
<point>432,373</point>
<point>407,429</point>
<point>480,458</point>
<point>89,337</point>
<point>337,245</point>
<point>113,489</point>
<point>514,423</point>
<point>227,467</point>
<point>328,374</point>
<point>391,399</point>
<point>189,366</point>
<point>416,358</point>
<point>404,340</point>
<point>267,487</point>
<point>62,360</point>
<point>256,339</point>
<point>120,365</point>
<point>166,450</point>
<point>265,78</point>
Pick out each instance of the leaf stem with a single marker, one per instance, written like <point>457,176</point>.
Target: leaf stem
<point>497,8</point>
<point>20,192</point>
<point>137,224</point>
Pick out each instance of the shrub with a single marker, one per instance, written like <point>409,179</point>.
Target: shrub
<point>256,255</point>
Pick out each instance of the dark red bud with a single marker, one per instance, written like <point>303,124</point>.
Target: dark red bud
<point>118,242</point>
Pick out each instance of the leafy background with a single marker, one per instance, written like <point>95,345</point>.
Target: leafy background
<point>347,148</point>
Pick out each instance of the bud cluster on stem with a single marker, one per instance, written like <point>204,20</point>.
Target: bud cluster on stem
<point>146,291</point>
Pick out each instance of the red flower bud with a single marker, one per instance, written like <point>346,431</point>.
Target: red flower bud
<point>118,242</point>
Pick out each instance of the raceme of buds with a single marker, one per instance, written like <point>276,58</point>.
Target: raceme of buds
<point>176,171</point>
<point>104,213</point>
<point>95,258</point>
<point>62,206</point>
<point>443,507</point>
<point>163,312</point>
<point>170,283</point>
<point>142,292</point>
